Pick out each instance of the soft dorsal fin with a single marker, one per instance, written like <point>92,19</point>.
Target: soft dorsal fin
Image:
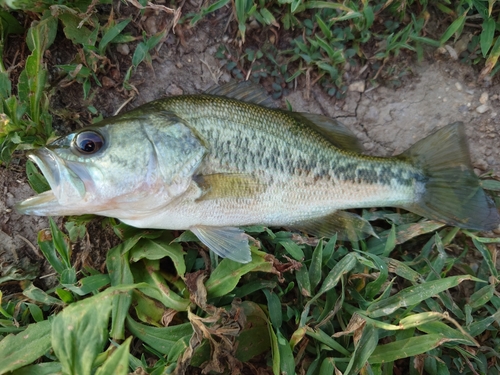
<point>245,91</point>
<point>348,226</point>
<point>336,132</point>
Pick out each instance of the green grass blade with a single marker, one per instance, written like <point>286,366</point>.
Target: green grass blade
<point>414,295</point>
<point>160,339</point>
<point>487,35</point>
<point>117,363</point>
<point>407,348</point>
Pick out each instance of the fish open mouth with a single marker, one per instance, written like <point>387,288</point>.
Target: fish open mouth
<point>66,187</point>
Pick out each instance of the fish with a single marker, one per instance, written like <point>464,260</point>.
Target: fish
<point>216,162</point>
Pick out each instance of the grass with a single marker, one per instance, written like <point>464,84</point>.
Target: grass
<point>421,298</point>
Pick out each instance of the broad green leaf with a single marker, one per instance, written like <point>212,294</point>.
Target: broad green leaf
<point>160,339</point>
<point>79,34</point>
<point>228,273</point>
<point>369,16</point>
<point>10,24</point>
<point>267,16</point>
<point>160,248</point>
<point>47,368</point>
<point>407,348</point>
<point>140,53</point>
<point>117,363</point>
<point>36,180</point>
<point>36,312</point>
<point>327,366</point>
<point>5,88</point>
<point>293,249</point>
<point>147,309</point>
<point>111,33</point>
<point>254,339</point>
<point>414,295</point>
<point>89,284</point>
<point>25,347</point>
<point>487,35</point>
<point>158,288</point>
<point>38,295</point>
<point>79,333</point>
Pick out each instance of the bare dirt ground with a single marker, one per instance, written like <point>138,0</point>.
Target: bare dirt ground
<point>387,120</point>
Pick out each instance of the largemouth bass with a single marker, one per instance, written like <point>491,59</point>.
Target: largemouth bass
<point>215,162</point>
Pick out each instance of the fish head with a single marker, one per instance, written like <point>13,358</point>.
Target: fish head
<point>116,169</point>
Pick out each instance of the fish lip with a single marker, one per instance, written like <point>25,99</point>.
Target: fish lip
<point>38,204</point>
<point>66,186</point>
<point>47,162</point>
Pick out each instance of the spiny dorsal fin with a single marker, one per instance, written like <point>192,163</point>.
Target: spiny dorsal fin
<point>336,132</point>
<point>348,226</point>
<point>225,185</point>
<point>245,91</point>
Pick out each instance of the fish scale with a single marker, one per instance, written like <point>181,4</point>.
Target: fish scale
<point>212,163</point>
<point>267,138</point>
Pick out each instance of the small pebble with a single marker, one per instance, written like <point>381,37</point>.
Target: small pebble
<point>124,49</point>
<point>173,89</point>
<point>483,98</point>
<point>150,25</point>
<point>107,82</point>
<point>358,86</point>
<point>482,108</point>
<point>459,87</point>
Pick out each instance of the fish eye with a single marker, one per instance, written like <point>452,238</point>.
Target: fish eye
<point>87,142</point>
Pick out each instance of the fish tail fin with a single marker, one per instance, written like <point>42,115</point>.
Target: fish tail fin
<point>452,192</point>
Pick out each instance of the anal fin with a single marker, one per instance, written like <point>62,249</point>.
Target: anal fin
<point>227,242</point>
<point>348,226</point>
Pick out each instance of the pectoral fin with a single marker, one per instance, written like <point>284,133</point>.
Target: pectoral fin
<point>227,242</point>
<point>223,185</point>
<point>348,226</point>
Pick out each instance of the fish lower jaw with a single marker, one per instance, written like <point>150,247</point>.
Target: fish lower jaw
<point>39,205</point>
